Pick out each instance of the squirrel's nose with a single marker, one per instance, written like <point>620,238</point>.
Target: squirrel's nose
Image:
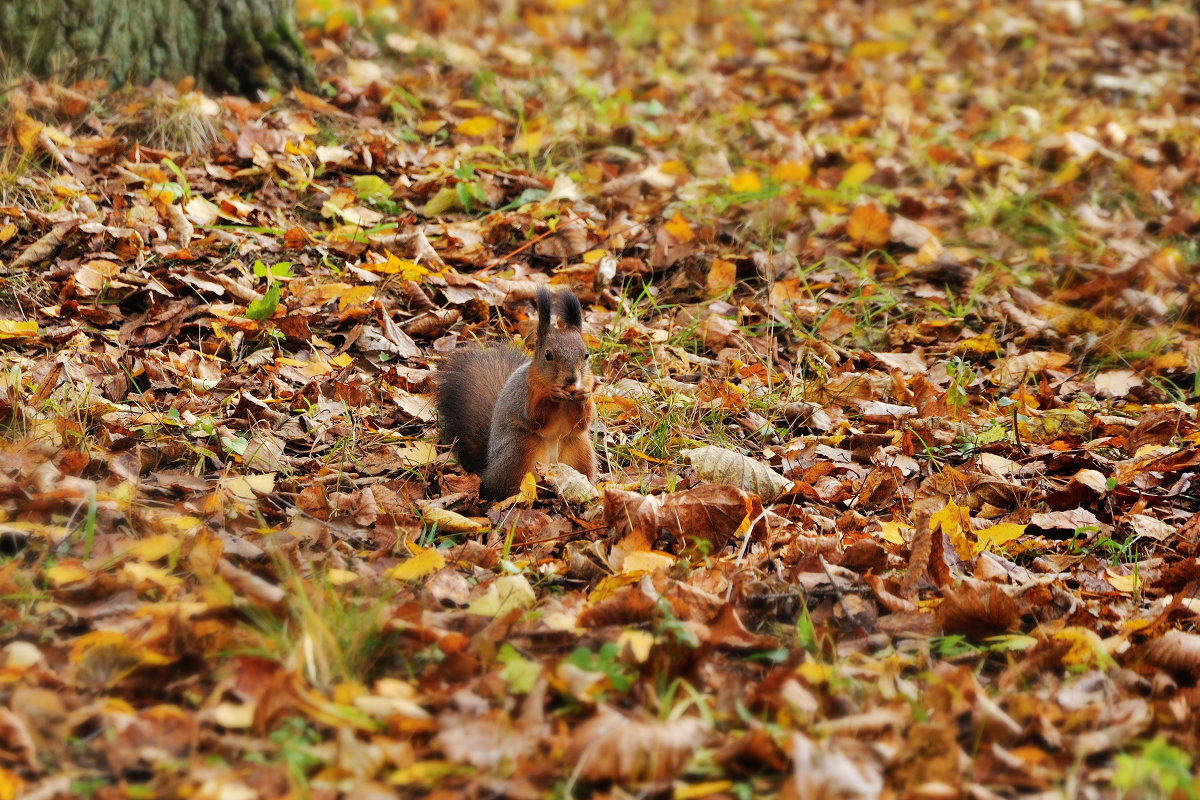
<point>569,380</point>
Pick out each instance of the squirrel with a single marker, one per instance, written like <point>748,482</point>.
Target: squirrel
<point>503,413</point>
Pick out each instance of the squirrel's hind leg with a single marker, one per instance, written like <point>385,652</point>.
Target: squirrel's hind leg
<point>576,451</point>
<point>509,458</point>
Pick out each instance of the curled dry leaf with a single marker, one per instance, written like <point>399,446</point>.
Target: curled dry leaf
<point>718,465</point>
<point>1011,371</point>
<point>450,521</point>
<point>1175,651</point>
<point>609,747</point>
<point>824,771</point>
<point>570,484</point>
<point>249,586</point>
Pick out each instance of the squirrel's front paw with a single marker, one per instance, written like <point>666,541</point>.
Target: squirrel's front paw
<point>576,395</point>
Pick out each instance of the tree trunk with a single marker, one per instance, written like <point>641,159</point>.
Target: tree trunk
<point>235,46</point>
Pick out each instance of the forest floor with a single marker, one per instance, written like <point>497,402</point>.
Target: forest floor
<point>895,313</point>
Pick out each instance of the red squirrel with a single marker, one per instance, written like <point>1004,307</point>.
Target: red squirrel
<point>503,412</point>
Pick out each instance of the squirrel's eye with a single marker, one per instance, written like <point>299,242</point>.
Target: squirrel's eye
<point>549,356</point>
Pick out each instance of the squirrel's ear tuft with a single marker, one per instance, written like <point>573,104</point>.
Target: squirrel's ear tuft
<point>544,302</point>
<point>572,313</point>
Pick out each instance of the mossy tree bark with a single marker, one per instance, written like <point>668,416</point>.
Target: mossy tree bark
<point>235,46</point>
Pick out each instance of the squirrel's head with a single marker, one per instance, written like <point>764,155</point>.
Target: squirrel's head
<point>560,355</point>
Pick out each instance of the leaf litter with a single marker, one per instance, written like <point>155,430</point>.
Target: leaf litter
<point>894,311</point>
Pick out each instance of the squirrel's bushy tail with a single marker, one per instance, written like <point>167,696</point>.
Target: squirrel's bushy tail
<point>467,387</point>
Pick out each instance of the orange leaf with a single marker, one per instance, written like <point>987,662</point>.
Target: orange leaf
<point>721,276</point>
<point>679,229</point>
<point>791,171</point>
<point>868,227</point>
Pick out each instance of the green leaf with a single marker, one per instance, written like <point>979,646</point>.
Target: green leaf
<point>264,307</point>
<point>183,184</point>
<point>519,672</point>
<point>445,199</point>
<point>281,270</point>
<point>371,188</point>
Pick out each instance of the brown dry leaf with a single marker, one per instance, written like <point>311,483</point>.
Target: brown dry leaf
<point>704,518</point>
<point>1177,651</point>
<point>977,609</point>
<point>718,465</point>
<point>633,517</point>
<point>707,517</point>
<point>611,747</point>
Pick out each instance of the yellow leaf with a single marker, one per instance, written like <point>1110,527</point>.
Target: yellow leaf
<point>1086,646</point>
<point>1173,360</point>
<point>355,296</point>
<point>341,360</point>
<point>999,534</point>
<point>1125,584</point>
<point>1067,174</point>
<point>422,564</point>
<point>11,785</point>
<point>646,561</point>
<point>17,329</point>
<point>66,573</point>
<point>248,487</point>
<point>868,227</point>
<point>858,174</point>
<point>431,126</point>
<point>423,773</point>
<point>96,641</point>
<point>679,229</point>
<point>528,142</point>
<point>7,232</point>
<point>27,130</point>
<point>640,643</point>
<point>451,522</point>
<point>745,181</point>
<point>877,49</point>
<point>673,167</point>
<point>140,573</point>
<point>891,532</point>
<point>476,126</point>
<point>955,522</point>
<point>154,547</point>
<point>341,577</point>
<point>981,345</point>
<point>407,270</point>
<point>593,256</point>
<point>183,523</point>
<point>417,454</point>
<point>815,673</point>
<point>696,791</point>
<point>791,171</point>
<point>646,456</point>
<point>506,593</point>
<point>528,490</point>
